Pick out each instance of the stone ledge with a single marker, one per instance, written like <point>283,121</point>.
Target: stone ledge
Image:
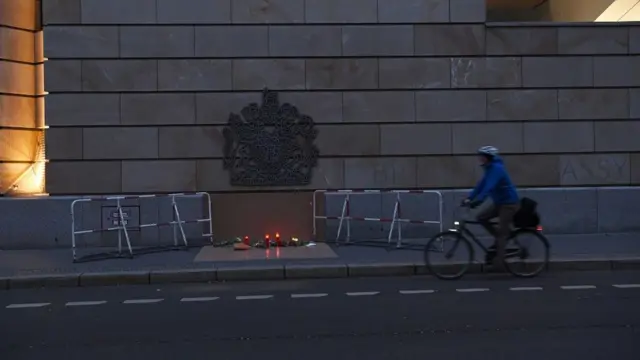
<point>114,278</point>
<point>580,265</point>
<point>183,276</point>
<point>381,269</point>
<point>474,268</point>
<point>316,271</point>
<point>40,281</point>
<point>626,264</point>
<point>248,273</point>
<point>280,272</point>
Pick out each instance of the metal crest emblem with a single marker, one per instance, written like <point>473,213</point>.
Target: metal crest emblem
<point>270,145</point>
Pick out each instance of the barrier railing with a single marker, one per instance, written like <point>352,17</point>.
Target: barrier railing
<point>123,228</point>
<point>396,220</point>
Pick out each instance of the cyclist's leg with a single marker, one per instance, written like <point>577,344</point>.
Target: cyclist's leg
<point>485,216</point>
<point>505,218</point>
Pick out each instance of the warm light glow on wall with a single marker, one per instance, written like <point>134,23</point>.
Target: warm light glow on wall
<point>621,10</point>
<point>35,179</point>
<point>31,182</point>
<point>32,178</point>
<point>24,178</point>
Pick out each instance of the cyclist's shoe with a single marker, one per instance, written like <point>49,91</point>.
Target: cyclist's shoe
<point>498,266</point>
<point>491,253</point>
<point>494,264</point>
<point>511,250</point>
<point>488,259</point>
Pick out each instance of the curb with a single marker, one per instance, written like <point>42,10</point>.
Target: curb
<point>276,272</point>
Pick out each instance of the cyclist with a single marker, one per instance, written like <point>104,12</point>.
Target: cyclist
<point>496,184</point>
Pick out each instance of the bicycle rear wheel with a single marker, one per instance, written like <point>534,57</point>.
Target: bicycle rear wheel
<point>455,258</point>
<point>530,254</point>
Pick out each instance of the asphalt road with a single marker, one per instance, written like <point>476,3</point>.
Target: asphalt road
<point>557,316</point>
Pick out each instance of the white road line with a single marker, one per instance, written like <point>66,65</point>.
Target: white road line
<point>142,301</point>
<point>254,297</point>
<point>199,299</point>
<point>525,288</point>
<point>416,292</point>
<point>363,293</point>
<point>577,287</point>
<point>627,286</point>
<point>472,290</point>
<point>25,306</point>
<point>307,296</point>
<point>85,303</point>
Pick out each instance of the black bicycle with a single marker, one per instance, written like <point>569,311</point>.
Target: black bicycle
<point>518,259</point>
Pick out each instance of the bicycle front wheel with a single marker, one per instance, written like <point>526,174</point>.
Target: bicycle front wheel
<point>529,255</point>
<point>448,255</point>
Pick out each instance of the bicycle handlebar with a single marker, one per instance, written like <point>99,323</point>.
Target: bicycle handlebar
<point>462,217</point>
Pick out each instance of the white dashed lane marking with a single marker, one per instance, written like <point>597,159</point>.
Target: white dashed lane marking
<point>531,288</point>
<point>307,296</point>
<point>627,286</point>
<point>310,295</point>
<point>363,293</point>
<point>26,306</point>
<point>254,297</point>
<point>578,287</point>
<point>85,303</point>
<point>142,301</point>
<point>199,299</point>
<point>416,292</point>
<point>472,290</point>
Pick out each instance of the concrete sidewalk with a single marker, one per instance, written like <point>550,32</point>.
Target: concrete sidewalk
<point>53,268</point>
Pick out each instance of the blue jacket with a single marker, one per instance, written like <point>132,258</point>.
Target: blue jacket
<point>495,183</point>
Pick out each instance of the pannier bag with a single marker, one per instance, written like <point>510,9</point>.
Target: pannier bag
<point>527,216</point>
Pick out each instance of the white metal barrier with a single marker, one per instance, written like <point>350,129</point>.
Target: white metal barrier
<point>396,220</point>
<point>123,228</point>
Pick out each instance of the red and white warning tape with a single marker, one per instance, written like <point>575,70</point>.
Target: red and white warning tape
<point>376,191</point>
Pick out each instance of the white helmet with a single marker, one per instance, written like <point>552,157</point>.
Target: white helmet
<point>488,150</point>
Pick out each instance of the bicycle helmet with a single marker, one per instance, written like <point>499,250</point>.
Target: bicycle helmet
<point>488,151</point>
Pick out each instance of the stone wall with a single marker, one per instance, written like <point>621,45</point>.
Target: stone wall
<point>403,92</point>
<point>21,102</point>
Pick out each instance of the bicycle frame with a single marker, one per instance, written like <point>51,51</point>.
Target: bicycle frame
<point>461,227</point>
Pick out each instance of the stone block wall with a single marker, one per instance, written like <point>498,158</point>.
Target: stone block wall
<point>403,92</point>
<point>21,101</point>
